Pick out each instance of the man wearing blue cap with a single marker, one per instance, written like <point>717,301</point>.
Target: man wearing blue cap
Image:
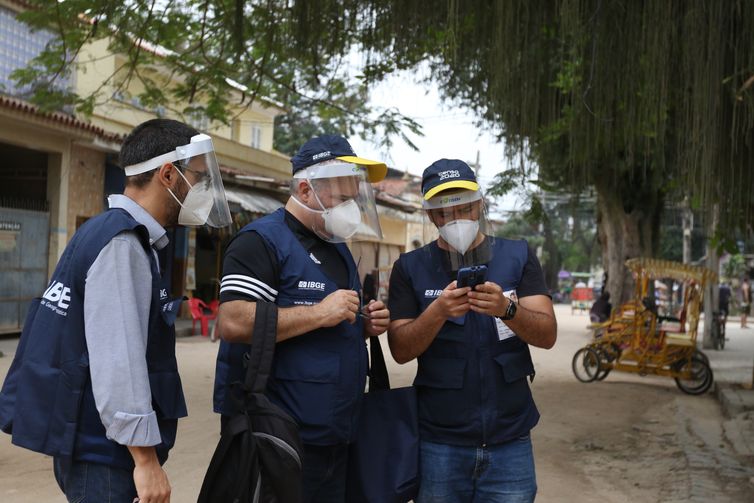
<point>472,344</point>
<point>296,257</point>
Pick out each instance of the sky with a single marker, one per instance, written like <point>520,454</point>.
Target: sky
<point>449,132</point>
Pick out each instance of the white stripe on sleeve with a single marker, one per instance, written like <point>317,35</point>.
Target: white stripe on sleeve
<point>245,288</point>
<point>251,281</point>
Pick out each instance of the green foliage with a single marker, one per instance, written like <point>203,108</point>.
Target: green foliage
<point>289,54</point>
<point>651,94</point>
<point>563,226</point>
<point>735,267</point>
<point>352,115</point>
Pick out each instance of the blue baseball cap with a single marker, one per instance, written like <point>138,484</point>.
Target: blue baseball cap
<point>326,147</point>
<point>447,174</point>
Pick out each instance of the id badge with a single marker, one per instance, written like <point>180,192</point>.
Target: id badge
<point>503,331</point>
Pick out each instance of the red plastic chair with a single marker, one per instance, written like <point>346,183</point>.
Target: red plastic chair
<point>201,312</point>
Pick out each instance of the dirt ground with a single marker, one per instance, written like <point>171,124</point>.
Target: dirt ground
<point>627,439</point>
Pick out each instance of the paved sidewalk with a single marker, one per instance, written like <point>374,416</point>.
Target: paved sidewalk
<point>732,368</point>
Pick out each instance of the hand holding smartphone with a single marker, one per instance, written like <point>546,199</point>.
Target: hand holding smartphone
<point>471,276</point>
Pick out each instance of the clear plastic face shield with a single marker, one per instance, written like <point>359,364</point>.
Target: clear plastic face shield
<point>342,200</point>
<point>205,201</point>
<point>457,220</point>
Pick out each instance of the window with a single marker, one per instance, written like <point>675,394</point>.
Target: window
<point>197,119</point>
<point>256,136</point>
<point>18,46</point>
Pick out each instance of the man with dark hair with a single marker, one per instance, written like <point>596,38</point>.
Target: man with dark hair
<point>467,306</point>
<point>94,382</point>
<point>297,258</point>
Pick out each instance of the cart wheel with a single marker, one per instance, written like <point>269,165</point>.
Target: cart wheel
<point>586,364</point>
<point>604,360</point>
<point>701,377</point>
<point>701,355</point>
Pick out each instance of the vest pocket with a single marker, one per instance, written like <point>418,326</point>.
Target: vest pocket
<point>515,364</point>
<point>442,399</point>
<point>167,395</point>
<point>47,405</point>
<point>308,384</point>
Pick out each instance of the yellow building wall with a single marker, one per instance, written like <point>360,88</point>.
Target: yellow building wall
<point>121,113</point>
<point>393,231</point>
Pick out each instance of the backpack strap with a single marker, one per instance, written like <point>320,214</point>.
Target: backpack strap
<point>378,377</point>
<point>262,347</point>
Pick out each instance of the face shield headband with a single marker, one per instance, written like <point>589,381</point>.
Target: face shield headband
<point>449,200</point>
<point>200,144</point>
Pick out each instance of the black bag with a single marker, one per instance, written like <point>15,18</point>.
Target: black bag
<point>258,458</point>
<point>383,462</point>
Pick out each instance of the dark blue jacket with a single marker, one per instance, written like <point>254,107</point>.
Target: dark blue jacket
<point>472,387</point>
<point>318,377</point>
<point>46,402</point>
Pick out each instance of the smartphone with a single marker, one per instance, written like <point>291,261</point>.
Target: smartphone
<point>471,276</point>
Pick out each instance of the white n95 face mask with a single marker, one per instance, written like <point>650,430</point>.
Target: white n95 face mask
<point>342,220</point>
<point>460,234</point>
<point>197,205</point>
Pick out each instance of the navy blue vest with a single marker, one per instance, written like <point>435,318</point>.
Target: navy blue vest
<point>471,385</point>
<point>318,377</point>
<point>46,402</point>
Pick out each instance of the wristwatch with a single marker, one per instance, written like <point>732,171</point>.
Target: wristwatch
<point>510,311</point>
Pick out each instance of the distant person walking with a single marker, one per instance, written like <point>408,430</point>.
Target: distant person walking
<point>745,301</point>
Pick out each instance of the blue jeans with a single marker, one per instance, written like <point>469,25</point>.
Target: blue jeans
<point>84,482</point>
<point>324,473</point>
<point>499,473</point>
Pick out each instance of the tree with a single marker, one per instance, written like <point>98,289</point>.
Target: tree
<point>211,50</point>
<point>645,101</point>
<point>345,111</point>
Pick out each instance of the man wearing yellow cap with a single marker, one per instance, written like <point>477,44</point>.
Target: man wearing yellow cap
<point>467,306</point>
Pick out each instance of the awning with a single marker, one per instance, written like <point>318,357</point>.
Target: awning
<point>253,201</point>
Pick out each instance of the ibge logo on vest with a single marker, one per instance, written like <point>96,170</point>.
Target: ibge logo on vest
<point>311,286</point>
<point>57,297</point>
<point>430,294</point>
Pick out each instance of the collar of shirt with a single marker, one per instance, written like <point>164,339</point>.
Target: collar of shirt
<point>452,260</point>
<point>305,235</point>
<point>158,237</point>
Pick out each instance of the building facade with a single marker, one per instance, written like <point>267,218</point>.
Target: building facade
<point>57,170</point>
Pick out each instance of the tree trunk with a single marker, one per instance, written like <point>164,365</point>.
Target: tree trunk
<point>552,267</point>
<point>626,230</point>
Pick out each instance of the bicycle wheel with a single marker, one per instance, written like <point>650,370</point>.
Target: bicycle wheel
<point>586,364</point>
<point>700,376</point>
